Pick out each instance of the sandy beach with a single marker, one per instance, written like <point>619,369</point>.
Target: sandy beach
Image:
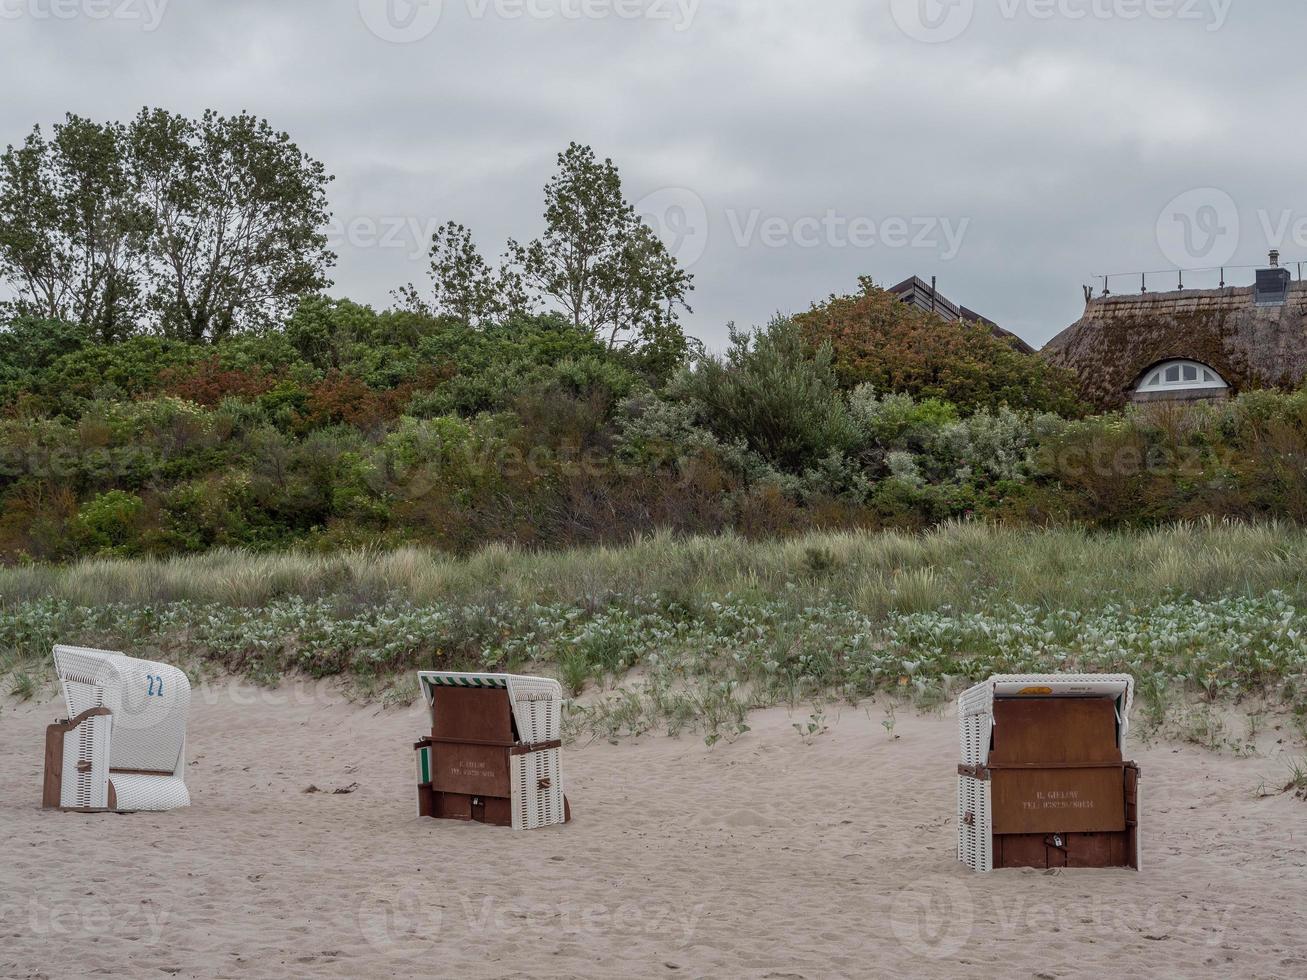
<point>773,856</point>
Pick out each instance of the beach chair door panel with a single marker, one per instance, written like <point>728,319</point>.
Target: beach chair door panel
<point>470,770</point>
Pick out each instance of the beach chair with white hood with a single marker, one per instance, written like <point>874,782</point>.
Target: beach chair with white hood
<point>1042,778</point>
<point>122,747</point>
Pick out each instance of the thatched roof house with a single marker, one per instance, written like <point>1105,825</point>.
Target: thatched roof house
<point>1188,345</point>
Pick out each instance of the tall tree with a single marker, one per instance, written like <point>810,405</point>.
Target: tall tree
<point>196,228</point>
<point>237,212</point>
<point>464,285</point>
<point>597,260</point>
<point>71,228</point>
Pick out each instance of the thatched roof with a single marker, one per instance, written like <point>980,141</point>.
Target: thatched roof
<point>1120,337</point>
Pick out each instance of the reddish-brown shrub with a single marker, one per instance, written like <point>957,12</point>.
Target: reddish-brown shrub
<point>208,383</point>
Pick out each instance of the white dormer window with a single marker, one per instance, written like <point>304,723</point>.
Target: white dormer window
<point>1181,376</point>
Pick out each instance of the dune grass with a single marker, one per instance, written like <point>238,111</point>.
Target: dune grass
<point>691,633</point>
<point>957,565</point>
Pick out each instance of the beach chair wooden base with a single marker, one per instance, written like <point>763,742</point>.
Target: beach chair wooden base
<point>158,784</point>
<point>497,811</point>
<point>1113,816</point>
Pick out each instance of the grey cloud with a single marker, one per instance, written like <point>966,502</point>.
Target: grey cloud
<point>1059,138</point>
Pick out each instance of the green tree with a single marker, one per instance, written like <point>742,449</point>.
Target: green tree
<point>71,228</point>
<point>464,285</point>
<point>197,228</point>
<point>237,217</point>
<point>597,261</point>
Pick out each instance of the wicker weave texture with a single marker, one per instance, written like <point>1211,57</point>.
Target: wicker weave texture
<point>146,730</point>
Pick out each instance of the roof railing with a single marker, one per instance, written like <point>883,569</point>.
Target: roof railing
<point>1183,278</point>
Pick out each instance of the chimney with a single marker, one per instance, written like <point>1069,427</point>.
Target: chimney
<point>1275,258</point>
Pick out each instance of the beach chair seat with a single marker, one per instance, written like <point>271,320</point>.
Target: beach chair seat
<point>123,744</point>
<point>1042,781</point>
<point>495,750</point>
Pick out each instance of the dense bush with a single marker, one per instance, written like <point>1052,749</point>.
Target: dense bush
<point>772,394</point>
<point>353,426</point>
<point>877,339</point>
<point>155,400</point>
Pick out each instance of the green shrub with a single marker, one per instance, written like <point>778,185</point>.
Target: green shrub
<point>126,369</point>
<point>29,346</point>
<point>110,524</point>
<point>773,394</point>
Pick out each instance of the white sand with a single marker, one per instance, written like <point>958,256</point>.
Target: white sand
<point>765,858</point>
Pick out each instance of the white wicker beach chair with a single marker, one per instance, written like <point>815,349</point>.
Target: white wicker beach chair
<point>123,746</point>
<point>976,726</point>
<point>534,754</point>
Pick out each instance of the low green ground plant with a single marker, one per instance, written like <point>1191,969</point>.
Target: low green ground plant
<point>692,634</point>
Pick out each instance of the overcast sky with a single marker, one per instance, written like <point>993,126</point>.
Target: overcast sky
<point>1013,148</point>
